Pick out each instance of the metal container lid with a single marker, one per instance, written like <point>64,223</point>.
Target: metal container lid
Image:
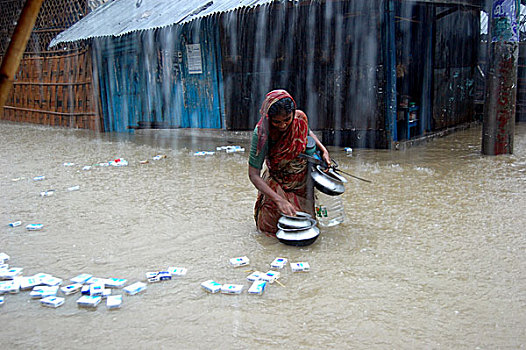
<point>328,182</point>
<point>301,220</point>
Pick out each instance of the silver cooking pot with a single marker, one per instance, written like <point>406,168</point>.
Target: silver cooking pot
<point>298,236</point>
<point>328,182</point>
<point>301,220</point>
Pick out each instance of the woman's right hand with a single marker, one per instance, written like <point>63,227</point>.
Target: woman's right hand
<point>285,207</point>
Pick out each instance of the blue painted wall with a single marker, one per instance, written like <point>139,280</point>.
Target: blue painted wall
<point>144,78</point>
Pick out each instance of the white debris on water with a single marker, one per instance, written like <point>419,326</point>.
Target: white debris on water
<point>119,162</point>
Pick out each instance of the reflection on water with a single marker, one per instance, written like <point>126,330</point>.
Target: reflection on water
<point>431,254</point>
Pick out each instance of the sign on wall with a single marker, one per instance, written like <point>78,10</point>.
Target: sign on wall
<point>505,17</point>
<point>195,63</point>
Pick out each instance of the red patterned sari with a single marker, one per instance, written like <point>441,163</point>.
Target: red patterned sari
<point>286,174</point>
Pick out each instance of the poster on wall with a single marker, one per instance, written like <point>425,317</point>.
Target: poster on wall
<point>195,64</point>
<point>505,26</point>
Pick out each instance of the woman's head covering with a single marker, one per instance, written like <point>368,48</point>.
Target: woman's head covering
<point>263,124</point>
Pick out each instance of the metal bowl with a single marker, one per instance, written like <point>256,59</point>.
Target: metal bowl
<point>328,182</point>
<point>298,236</point>
<point>300,243</point>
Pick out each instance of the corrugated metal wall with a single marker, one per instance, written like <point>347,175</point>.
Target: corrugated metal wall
<point>328,56</point>
<point>165,78</point>
<point>455,68</point>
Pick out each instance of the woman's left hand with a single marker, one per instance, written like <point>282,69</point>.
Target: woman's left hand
<point>326,158</point>
<point>324,153</point>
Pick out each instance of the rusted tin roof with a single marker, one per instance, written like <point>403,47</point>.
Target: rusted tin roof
<point>119,17</point>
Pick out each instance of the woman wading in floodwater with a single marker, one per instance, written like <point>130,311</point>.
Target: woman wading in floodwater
<point>279,137</point>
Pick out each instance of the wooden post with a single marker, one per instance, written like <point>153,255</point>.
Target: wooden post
<point>499,109</point>
<point>16,48</point>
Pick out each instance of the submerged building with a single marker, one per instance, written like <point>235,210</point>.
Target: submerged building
<point>367,73</point>
<point>52,87</point>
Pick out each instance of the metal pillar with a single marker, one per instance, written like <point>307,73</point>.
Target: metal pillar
<point>426,109</point>
<point>501,79</point>
<point>390,71</point>
<point>16,48</point>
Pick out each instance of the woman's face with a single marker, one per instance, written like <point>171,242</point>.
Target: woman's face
<point>282,121</point>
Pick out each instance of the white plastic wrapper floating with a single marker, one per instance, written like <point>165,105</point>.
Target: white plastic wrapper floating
<point>164,275</point>
<point>258,287</point>
<point>47,193</point>
<point>71,288</point>
<point>4,258</point>
<point>177,271</point>
<point>231,288</point>
<point>106,292</point>
<point>204,153</point>
<point>28,282</point>
<point>89,301</point>
<point>230,149</point>
<point>115,282</point>
<point>94,280</point>
<point>300,267</point>
<point>42,277</point>
<point>73,188</point>
<point>43,291</point>
<point>279,263</point>
<point>34,227</point>
<point>255,276</point>
<point>9,274</point>
<point>135,288</point>
<point>52,301</point>
<point>114,302</point>
<point>11,287</point>
<point>211,286</point>
<point>152,277</point>
<point>158,276</point>
<point>51,281</point>
<point>270,276</point>
<point>119,162</point>
<point>85,289</point>
<point>15,224</point>
<point>96,289</point>
<point>240,261</point>
<point>82,278</point>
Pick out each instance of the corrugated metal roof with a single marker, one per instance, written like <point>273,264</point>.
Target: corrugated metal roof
<point>119,17</point>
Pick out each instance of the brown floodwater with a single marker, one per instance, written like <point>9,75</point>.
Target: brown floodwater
<point>431,255</point>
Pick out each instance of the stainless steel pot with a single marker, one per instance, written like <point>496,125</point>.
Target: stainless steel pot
<point>328,182</point>
<point>298,236</point>
<point>301,220</point>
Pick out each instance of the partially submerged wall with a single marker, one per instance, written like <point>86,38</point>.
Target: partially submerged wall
<point>52,87</point>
